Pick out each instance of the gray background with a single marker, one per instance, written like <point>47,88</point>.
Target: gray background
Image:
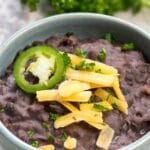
<point>14,16</point>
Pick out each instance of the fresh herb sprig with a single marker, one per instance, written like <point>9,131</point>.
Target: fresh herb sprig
<point>100,107</point>
<point>30,133</point>
<point>81,53</point>
<point>35,143</point>
<point>102,54</point>
<point>50,137</point>
<point>66,59</point>
<point>84,66</point>
<point>64,136</point>
<point>54,116</point>
<point>127,47</point>
<point>98,6</point>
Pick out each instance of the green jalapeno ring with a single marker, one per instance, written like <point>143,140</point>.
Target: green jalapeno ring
<point>24,57</point>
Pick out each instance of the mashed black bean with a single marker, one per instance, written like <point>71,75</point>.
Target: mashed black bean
<point>31,121</point>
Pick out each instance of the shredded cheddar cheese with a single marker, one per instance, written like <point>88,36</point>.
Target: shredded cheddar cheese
<point>78,87</point>
<point>70,143</point>
<point>47,147</point>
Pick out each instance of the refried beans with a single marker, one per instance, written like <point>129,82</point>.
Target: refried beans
<point>25,117</point>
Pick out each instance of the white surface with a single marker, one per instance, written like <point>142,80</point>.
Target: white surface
<point>13,16</point>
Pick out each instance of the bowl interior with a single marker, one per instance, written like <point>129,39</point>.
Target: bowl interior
<point>84,25</point>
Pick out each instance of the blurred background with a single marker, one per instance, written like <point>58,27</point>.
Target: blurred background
<point>15,14</point>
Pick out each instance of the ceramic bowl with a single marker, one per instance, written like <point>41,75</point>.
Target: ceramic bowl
<point>84,25</point>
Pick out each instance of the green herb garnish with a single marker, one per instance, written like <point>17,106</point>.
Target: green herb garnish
<point>64,136</point>
<point>46,125</point>
<point>66,58</point>
<point>100,107</point>
<point>68,34</point>
<point>85,66</point>
<point>35,143</point>
<point>114,105</point>
<point>50,137</point>
<point>127,47</point>
<point>98,71</point>
<point>79,52</point>
<point>80,66</point>
<point>108,37</point>
<point>98,6</point>
<point>89,66</point>
<point>54,116</point>
<point>102,54</point>
<point>30,133</point>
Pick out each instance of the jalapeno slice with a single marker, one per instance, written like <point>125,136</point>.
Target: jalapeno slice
<point>44,63</point>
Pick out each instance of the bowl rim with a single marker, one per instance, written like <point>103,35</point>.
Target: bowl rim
<point>8,134</point>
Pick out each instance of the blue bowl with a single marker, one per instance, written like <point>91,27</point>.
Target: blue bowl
<point>84,25</point>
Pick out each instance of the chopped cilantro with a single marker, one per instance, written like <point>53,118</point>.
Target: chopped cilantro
<point>110,38</point>
<point>89,66</point>
<point>127,47</point>
<point>68,34</point>
<point>50,137</point>
<point>66,58</point>
<point>102,54</point>
<point>46,125</point>
<point>35,143</point>
<point>54,116</point>
<point>108,7</point>
<point>30,133</point>
<point>85,66</point>
<point>114,105</point>
<point>80,66</point>
<point>100,107</point>
<point>98,71</point>
<point>79,52</point>
<point>64,136</point>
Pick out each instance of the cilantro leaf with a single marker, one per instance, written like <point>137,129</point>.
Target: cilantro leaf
<point>110,37</point>
<point>46,125</point>
<point>54,116</point>
<point>80,66</point>
<point>30,133</point>
<point>66,58</point>
<point>102,54</point>
<point>50,137</point>
<point>128,47</point>
<point>35,143</point>
<point>114,105</point>
<point>64,136</point>
<point>90,66</point>
<point>100,107</point>
<point>79,52</point>
<point>68,34</point>
<point>98,6</point>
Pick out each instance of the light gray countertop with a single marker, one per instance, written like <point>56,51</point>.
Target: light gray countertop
<point>14,16</point>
